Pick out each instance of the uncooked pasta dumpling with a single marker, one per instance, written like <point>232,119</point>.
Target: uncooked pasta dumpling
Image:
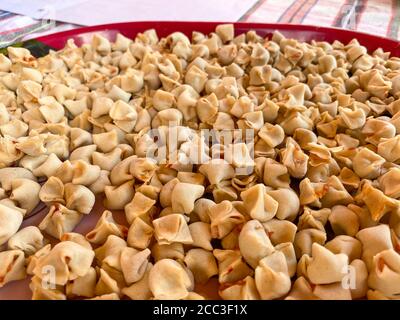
<point>231,165</point>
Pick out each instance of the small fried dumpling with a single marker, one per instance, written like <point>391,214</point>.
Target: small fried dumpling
<point>217,170</point>
<point>361,281</point>
<point>271,276</point>
<point>79,198</point>
<point>374,240</point>
<point>294,159</point>
<point>47,292</point>
<point>168,251</point>
<point>77,238</point>
<point>385,273</point>
<point>376,201</point>
<point>106,141</point>
<point>70,261</point>
<point>99,185</point>
<point>140,206</point>
<point>275,174</point>
<point>304,240</point>
<point>258,203</point>
<point>12,266</point>
<point>390,148</point>
<point>390,183</point>
<point>85,173</point>
<point>202,264</point>
<point>105,227</point>
<point>83,286</point>
<point>224,217</point>
<point>52,191</point>
<point>140,290</point>
<point>326,267</point>
<point>107,161</point>
<point>112,247</point>
<point>32,260</point>
<point>231,266</point>
<point>139,234</point>
<point>184,195</point>
<point>65,172</point>
<point>51,110</point>
<point>273,135</point>
<point>201,235</point>
<point>288,203</point>
<point>142,169</point>
<point>8,175</point>
<point>172,228</point>
<point>49,167</point>
<point>116,198</point>
<point>28,239</point>
<point>301,290</point>
<point>254,243</point>
<point>280,231</point>
<point>134,264</point>
<point>225,32</point>
<point>10,221</point>
<point>242,290</point>
<point>347,245</point>
<point>343,221</point>
<point>106,284</point>
<point>79,138</point>
<point>25,193</point>
<point>60,220</point>
<point>367,164</point>
<point>14,128</point>
<point>169,280</point>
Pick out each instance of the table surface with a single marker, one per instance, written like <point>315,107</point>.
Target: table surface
<point>380,17</point>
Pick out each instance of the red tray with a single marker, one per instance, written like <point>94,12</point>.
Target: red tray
<point>19,289</point>
<point>300,32</point>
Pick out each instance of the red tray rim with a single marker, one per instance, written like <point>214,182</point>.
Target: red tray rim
<point>366,39</point>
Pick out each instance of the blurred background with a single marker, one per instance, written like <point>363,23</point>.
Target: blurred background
<point>22,20</point>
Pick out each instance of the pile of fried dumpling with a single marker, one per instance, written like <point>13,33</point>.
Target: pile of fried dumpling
<point>309,209</point>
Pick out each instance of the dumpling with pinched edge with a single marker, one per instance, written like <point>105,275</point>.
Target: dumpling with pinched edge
<point>12,266</point>
<point>272,277</point>
<point>224,217</point>
<point>140,290</point>
<point>258,203</point>
<point>117,197</point>
<point>184,195</point>
<point>202,264</point>
<point>25,193</point>
<point>140,234</point>
<point>134,264</point>
<point>140,206</point>
<point>242,290</point>
<point>28,239</point>
<point>385,273</point>
<point>70,261</point>
<point>169,280</point>
<point>52,191</point>
<point>105,227</point>
<point>172,228</point>
<point>374,240</point>
<point>231,267</point>
<point>254,243</point>
<point>326,267</point>
<point>79,198</point>
<point>83,286</point>
<point>41,292</point>
<point>367,164</point>
<point>10,221</point>
<point>60,220</point>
